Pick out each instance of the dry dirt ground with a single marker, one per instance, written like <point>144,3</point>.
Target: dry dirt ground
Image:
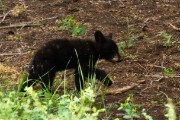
<point>146,60</point>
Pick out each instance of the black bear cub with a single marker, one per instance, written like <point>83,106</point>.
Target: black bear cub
<point>61,54</point>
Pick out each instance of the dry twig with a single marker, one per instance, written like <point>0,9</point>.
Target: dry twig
<point>4,16</point>
<point>26,24</point>
<point>123,89</point>
<point>17,25</point>
<point>11,54</point>
<point>160,76</point>
<point>174,27</point>
<point>120,90</point>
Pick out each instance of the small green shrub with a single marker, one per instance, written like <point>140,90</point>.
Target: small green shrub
<point>15,37</point>
<point>22,78</point>
<point>129,38</point>
<point>1,1</point>
<point>168,72</point>
<point>2,4</point>
<point>167,39</point>
<point>170,108</point>
<point>122,46</point>
<point>76,28</point>
<point>19,9</point>
<point>146,116</point>
<point>131,111</point>
<point>16,106</point>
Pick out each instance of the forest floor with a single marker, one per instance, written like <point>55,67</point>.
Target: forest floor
<point>150,29</point>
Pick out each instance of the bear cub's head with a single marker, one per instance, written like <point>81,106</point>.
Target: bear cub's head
<point>107,47</point>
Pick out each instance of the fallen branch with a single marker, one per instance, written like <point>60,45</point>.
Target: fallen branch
<point>11,54</point>
<point>50,18</point>
<point>26,24</point>
<point>174,27</point>
<point>17,25</point>
<point>121,90</point>
<point>158,80</point>
<point>160,76</point>
<point>4,16</point>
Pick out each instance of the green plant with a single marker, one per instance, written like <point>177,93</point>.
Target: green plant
<point>146,116</point>
<point>16,37</point>
<point>22,78</point>
<point>167,38</point>
<point>170,108</point>
<point>168,72</point>
<point>19,9</point>
<point>15,105</point>
<point>2,4</point>
<point>1,1</point>
<point>37,21</point>
<point>129,38</point>
<point>131,56</point>
<point>130,110</point>
<point>77,29</point>
<point>66,107</point>
<point>122,46</point>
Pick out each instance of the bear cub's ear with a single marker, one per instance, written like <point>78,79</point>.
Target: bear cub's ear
<point>99,37</point>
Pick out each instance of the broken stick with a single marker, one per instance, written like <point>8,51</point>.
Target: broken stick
<point>174,27</point>
<point>4,16</point>
<point>11,54</point>
<point>26,24</point>
<point>111,91</point>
